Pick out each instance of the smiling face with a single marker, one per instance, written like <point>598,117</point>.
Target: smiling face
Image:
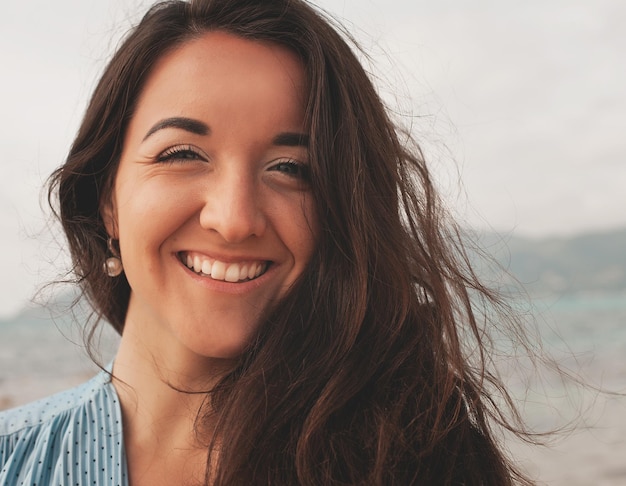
<point>211,203</point>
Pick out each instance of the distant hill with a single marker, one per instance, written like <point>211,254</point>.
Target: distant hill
<point>594,262</point>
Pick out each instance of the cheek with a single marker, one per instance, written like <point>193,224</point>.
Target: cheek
<point>154,205</point>
<point>304,230</point>
<point>145,223</point>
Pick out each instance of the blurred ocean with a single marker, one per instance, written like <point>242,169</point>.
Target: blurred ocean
<point>592,330</point>
<point>42,352</point>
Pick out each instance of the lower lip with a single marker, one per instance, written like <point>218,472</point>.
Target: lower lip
<point>241,287</point>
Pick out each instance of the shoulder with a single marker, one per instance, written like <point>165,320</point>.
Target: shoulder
<point>53,439</point>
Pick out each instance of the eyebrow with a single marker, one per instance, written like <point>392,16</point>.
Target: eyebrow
<point>286,139</point>
<point>289,139</point>
<point>188,124</point>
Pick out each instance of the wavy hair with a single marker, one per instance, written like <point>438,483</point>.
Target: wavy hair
<point>362,374</point>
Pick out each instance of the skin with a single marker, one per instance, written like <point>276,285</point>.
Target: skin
<point>213,169</point>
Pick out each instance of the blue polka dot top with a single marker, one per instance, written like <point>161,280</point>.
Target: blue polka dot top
<point>73,438</point>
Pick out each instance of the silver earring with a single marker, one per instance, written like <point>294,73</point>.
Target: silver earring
<point>113,265</point>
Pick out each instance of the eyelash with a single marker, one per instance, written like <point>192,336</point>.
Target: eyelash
<point>301,170</point>
<point>181,153</point>
<point>186,153</point>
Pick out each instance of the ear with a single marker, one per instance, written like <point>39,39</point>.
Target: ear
<point>108,212</point>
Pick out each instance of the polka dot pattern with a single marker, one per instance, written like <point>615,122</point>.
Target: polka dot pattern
<point>72,438</point>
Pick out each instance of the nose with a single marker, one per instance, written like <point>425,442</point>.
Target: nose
<point>233,207</point>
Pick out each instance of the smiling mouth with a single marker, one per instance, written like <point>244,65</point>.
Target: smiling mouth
<point>223,271</point>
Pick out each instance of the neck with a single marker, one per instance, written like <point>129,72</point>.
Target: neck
<point>161,390</point>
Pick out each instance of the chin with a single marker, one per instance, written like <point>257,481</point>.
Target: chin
<point>229,348</point>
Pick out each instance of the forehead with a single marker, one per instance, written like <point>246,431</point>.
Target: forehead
<point>217,69</point>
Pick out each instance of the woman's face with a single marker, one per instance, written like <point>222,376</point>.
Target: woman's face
<point>211,203</point>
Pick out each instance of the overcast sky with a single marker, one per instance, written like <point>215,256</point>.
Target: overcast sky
<point>523,103</point>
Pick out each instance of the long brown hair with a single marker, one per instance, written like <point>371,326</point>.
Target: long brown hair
<point>362,374</point>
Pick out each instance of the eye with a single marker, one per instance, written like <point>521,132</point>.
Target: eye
<point>293,169</point>
<point>183,153</point>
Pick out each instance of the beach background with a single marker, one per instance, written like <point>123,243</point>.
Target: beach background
<point>588,334</point>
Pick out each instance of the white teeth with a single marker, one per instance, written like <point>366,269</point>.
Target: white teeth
<point>206,267</point>
<point>232,274</point>
<point>218,271</point>
<point>229,272</point>
<point>252,271</point>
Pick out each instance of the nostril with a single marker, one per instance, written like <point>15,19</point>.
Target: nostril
<point>236,215</point>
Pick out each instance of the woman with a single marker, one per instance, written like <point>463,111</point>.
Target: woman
<point>276,262</point>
